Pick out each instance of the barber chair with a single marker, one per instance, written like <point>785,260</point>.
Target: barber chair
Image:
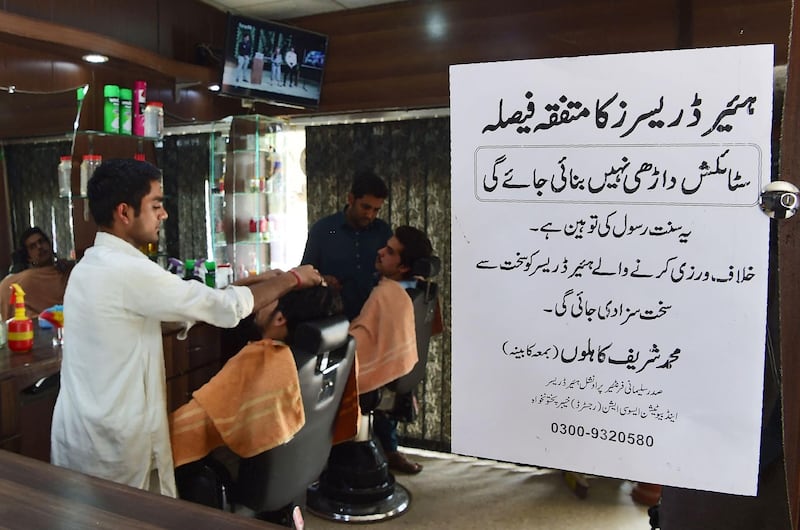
<point>357,486</point>
<point>273,483</point>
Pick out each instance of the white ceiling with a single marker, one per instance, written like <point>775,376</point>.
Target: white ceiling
<point>286,9</point>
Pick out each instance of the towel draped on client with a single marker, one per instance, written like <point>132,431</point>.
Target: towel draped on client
<point>386,340</point>
<point>251,405</point>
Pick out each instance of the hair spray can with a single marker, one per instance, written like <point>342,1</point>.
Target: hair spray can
<point>139,103</point>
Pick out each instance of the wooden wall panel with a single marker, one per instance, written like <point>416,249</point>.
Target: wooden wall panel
<point>398,55</point>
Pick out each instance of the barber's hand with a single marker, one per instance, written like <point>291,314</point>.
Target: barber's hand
<point>307,276</point>
<point>333,281</point>
<point>266,275</point>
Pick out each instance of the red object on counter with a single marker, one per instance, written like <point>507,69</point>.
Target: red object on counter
<point>20,328</point>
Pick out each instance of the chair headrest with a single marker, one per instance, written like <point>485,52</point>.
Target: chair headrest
<point>426,267</point>
<point>324,334</point>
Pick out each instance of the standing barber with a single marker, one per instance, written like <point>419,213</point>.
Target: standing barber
<point>110,418</point>
<point>343,246</point>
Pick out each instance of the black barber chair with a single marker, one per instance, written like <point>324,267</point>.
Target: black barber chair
<point>272,483</point>
<point>356,485</point>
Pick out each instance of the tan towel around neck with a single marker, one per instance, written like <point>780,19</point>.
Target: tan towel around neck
<point>345,425</point>
<point>251,405</point>
<point>386,340</point>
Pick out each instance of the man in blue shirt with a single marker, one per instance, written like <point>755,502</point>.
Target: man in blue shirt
<point>343,246</point>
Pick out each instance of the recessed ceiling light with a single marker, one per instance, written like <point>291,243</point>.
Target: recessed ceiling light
<point>95,58</point>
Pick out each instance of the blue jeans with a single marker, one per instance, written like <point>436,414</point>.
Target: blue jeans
<point>385,430</point>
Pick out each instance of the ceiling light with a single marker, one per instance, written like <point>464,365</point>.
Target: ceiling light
<point>95,58</point>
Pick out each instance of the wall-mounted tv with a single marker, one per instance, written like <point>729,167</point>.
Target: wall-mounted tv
<point>273,62</point>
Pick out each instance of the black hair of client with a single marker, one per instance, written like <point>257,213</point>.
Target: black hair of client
<point>118,181</point>
<point>415,243</point>
<point>368,183</point>
<point>297,307</point>
<point>309,304</point>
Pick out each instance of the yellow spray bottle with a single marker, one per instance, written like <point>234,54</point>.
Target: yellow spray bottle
<point>20,328</point>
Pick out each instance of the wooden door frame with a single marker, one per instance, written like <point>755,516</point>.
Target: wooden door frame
<point>789,273</point>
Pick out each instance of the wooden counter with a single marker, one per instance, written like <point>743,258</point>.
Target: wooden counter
<point>34,494</point>
<point>26,411</point>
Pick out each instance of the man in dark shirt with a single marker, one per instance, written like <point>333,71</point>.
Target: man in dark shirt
<point>343,246</point>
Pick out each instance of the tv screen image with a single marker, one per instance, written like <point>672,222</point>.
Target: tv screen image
<point>272,62</point>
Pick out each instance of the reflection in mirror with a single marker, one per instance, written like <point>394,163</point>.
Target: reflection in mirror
<point>36,130</point>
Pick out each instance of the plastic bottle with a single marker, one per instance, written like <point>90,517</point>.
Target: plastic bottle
<point>125,111</point>
<point>154,119</point>
<point>88,165</point>
<point>111,108</point>
<point>2,330</point>
<point>20,328</point>
<point>263,228</point>
<point>211,273</point>
<point>65,176</point>
<point>139,102</point>
<point>188,271</point>
<point>224,275</point>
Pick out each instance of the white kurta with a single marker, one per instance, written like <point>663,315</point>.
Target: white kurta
<point>110,418</point>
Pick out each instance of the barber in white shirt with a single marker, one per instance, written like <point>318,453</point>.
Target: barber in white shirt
<point>110,418</point>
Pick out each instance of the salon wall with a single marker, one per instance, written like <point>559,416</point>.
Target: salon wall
<point>398,55</point>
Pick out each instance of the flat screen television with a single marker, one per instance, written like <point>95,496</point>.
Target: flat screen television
<point>272,62</point>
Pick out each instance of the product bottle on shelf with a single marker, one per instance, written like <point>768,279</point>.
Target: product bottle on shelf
<point>65,176</point>
<point>139,102</point>
<point>111,108</point>
<point>263,228</point>
<point>88,165</point>
<point>125,111</point>
<point>154,119</point>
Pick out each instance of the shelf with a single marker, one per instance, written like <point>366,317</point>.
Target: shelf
<point>89,132</point>
<point>246,164</point>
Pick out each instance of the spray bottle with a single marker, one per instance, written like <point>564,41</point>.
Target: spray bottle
<point>20,328</point>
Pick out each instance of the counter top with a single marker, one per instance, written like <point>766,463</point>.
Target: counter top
<point>44,359</point>
<point>35,494</point>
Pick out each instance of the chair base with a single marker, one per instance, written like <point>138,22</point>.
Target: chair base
<point>392,506</point>
<point>356,486</point>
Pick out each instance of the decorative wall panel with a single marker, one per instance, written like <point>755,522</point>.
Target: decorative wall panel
<point>413,157</point>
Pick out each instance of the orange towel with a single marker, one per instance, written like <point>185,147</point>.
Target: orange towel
<point>386,341</point>
<point>251,405</point>
<point>345,425</point>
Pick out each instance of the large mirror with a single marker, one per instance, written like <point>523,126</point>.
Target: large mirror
<point>31,164</point>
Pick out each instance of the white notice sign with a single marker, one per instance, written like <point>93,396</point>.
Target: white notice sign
<point>610,263</point>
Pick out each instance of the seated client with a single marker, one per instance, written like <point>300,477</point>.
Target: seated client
<point>253,403</point>
<point>38,271</point>
<point>386,341</point>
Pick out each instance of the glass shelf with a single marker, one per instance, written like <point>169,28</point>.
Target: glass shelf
<point>246,154</point>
